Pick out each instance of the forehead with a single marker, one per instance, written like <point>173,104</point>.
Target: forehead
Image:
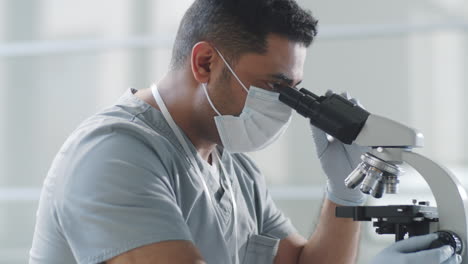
<point>283,56</point>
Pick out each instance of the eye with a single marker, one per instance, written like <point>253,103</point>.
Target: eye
<point>270,86</point>
<point>275,86</point>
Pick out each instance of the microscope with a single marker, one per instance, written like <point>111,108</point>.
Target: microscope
<point>390,146</point>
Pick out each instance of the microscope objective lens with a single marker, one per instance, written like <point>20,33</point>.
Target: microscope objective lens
<point>357,176</point>
<point>379,189</point>
<point>371,180</point>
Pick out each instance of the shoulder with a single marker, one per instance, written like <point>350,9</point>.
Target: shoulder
<point>120,134</point>
<point>109,154</point>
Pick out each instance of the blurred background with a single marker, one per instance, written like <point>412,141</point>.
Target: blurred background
<point>62,61</point>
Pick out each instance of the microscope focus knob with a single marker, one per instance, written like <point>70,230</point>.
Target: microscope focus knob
<point>448,238</point>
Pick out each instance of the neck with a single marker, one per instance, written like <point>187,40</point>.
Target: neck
<point>182,99</point>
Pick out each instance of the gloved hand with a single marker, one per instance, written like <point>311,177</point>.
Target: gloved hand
<point>338,160</point>
<point>413,251</point>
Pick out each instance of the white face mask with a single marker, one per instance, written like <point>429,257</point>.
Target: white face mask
<point>263,120</point>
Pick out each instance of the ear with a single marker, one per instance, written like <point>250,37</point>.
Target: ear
<point>201,61</point>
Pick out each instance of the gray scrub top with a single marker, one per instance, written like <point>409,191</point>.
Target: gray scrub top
<point>122,180</point>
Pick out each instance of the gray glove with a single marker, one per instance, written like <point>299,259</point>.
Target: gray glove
<point>338,160</point>
<point>412,251</point>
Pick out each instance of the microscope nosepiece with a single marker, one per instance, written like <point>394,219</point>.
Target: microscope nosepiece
<point>375,176</point>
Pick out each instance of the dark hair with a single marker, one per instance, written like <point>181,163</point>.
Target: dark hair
<point>241,26</point>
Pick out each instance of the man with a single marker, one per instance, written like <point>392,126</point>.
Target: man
<point>160,177</point>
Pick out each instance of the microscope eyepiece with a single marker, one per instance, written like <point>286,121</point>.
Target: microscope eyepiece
<point>333,114</point>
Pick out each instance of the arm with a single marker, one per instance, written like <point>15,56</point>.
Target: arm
<point>335,240</point>
<point>162,252</point>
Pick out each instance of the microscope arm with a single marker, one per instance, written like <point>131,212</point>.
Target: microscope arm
<point>449,193</point>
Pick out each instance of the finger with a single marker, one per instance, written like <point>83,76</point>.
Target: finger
<point>415,243</point>
<point>346,95</point>
<point>356,102</point>
<point>455,259</point>
<point>441,254</point>
<point>354,152</point>
<point>360,105</point>
<point>320,139</point>
<point>329,92</point>
<point>317,131</point>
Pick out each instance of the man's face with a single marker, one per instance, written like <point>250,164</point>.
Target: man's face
<point>283,63</point>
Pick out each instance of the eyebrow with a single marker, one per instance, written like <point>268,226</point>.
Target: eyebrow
<point>283,77</point>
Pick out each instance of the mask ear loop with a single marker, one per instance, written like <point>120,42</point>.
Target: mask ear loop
<point>209,100</point>
<point>232,71</point>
